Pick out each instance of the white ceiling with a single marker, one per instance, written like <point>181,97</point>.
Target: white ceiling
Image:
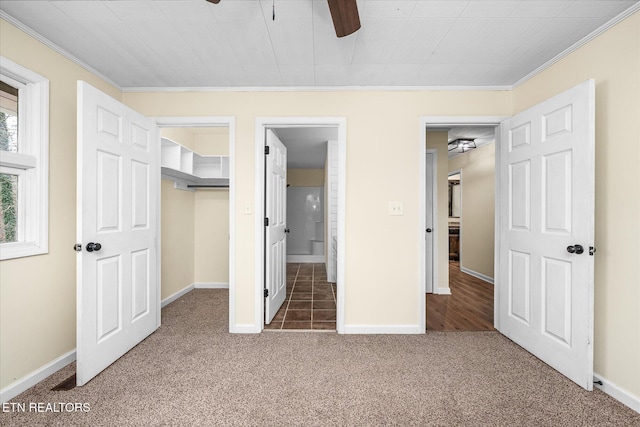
<point>306,146</point>
<point>193,43</point>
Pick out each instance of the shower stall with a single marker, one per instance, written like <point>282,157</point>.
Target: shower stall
<point>305,220</point>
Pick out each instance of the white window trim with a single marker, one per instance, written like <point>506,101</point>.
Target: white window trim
<point>33,159</point>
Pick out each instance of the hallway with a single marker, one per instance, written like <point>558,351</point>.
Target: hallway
<point>468,308</point>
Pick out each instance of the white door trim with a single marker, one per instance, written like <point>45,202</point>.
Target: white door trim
<point>442,122</point>
<point>213,121</point>
<point>262,123</point>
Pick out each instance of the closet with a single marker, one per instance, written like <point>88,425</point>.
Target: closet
<point>194,208</point>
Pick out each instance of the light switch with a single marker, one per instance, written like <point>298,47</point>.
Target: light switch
<point>247,208</point>
<point>395,208</point>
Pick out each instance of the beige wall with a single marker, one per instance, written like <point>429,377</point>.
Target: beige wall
<point>183,136</point>
<point>212,141</point>
<point>374,296</point>
<point>478,207</point>
<point>438,141</point>
<point>38,293</point>
<point>211,225</point>
<point>305,177</point>
<point>613,60</point>
<point>177,238</point>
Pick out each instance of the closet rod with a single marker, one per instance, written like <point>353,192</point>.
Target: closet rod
<point>207,186</point>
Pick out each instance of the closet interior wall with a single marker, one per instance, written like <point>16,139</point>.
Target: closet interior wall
<point>195,224</point>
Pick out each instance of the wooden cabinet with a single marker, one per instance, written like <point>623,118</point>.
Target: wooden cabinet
<point>185,167</point>
<point>454,243</point>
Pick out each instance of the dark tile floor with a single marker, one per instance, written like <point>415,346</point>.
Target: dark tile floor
<point>310,302</point>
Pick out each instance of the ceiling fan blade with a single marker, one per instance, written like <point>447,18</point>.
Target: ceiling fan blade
<point>214,1</point>
<point>345,16</point>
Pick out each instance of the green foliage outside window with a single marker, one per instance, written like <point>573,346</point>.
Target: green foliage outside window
<point>8,191</point>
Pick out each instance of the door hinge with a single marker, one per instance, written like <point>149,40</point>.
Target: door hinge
<point>266,293</point>
<point>266,222</point>
<point>266,149</point>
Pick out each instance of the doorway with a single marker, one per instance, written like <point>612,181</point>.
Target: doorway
<point>441,264</point>
<point>328,241</point>
<point>207,192</point>
<point>464,301</point>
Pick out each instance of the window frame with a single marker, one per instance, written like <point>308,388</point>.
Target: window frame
<point>31,162</point>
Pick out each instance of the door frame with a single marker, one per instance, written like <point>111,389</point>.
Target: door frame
<point>261,124</point>
<point>209,121</point>
<point>440,122</point>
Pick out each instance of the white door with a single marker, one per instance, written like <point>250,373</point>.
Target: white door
<point>430,223</point>
<point>276,214</point>
<point>546,190</point>
<point>117,276</point>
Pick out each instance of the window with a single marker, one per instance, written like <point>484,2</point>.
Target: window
<point>24,161</point>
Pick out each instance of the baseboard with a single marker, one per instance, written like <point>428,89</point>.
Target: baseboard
<point>25,383</point>
<point>477,275</point>
<point>244,329</point>
<point>306,258</point>
<point>618,393</point>
<point>211,285</point>
<point>443,291</point>
<point>175,296</point>
<point>383,329</point>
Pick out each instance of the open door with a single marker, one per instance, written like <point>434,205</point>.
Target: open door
<point>431,162</point>
<point>275,225</point>
<point>117,250</point>
<point>546,231</point>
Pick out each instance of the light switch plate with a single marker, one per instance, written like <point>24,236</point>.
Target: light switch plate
<point>395,208</point>
<point>247,208</point>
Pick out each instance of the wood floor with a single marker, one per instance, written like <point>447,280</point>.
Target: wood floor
<point>468,308</point>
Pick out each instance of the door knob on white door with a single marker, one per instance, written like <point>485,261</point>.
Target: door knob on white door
<point>91,247</point>
<point>575,249</point>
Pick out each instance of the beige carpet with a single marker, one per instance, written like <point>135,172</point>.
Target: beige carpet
<point>192,372</point>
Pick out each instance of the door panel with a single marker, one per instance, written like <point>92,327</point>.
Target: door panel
<point>276,244</point>
<point>546,208</point>
<point>118,182</point>
<point>429,221</point>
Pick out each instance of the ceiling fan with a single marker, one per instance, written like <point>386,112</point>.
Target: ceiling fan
<point>344,14</point>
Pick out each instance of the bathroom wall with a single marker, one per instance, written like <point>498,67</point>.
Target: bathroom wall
<point>305,177</point>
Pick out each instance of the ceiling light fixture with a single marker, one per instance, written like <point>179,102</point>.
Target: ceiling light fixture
<point>461,145</point>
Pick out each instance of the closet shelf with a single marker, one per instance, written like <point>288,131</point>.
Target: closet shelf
<point>183,165</point>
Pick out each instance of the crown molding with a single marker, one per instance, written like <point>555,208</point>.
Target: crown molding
<point>577,45</point>
<point>42,39</point>
<point>315,89</point>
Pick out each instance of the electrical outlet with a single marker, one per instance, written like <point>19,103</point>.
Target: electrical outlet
<point>395,208</point>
